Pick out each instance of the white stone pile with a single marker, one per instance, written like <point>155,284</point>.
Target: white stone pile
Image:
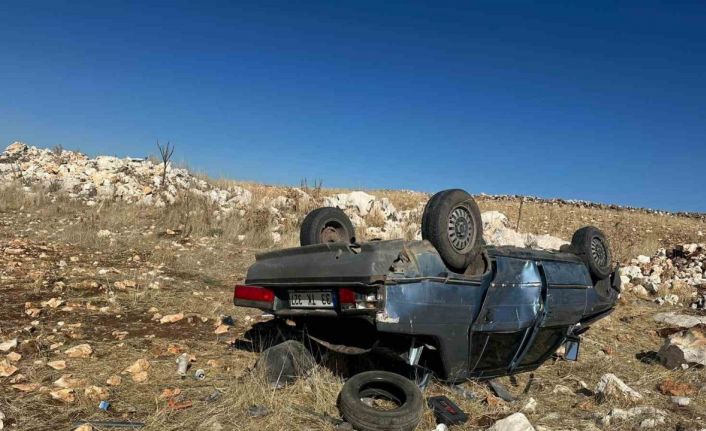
<point>145,182</point>
<point>496,227</point>
<point>497,231</point>
<point>679,269</point>
<point>130,179</point>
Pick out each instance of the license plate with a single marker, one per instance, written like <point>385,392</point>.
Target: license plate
<point>310,299</point>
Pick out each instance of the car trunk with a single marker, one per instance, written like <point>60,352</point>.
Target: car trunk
<point>324,279</point>
<point>333,264</point>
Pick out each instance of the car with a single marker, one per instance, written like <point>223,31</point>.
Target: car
<point>449,302</point>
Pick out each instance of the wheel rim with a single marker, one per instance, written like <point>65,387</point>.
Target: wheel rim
<point>333,232</point>
<point>599,253</point>
<point>460,228</point>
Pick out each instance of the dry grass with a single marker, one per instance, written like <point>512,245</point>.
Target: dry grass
<point>193,271</point>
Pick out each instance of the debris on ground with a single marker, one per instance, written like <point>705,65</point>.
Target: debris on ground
<point>500,390</point>
<point>446,411</point>
<point>649,417</point>
<point>52,284</point>
<point>80,351</point>
<point>514,422</point>
<point>284,363</point>
<point>685,348</point>
<point>674,388</point>
<point>611,387</point>
<point>138,370</point>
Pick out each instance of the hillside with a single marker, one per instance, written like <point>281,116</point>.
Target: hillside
<point>111,268</point>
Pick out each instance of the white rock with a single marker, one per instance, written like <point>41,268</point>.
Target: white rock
<point>631,271</point>
<point>679,320</point>
<point>681,401</point>
<point>360,201</point>
<point>514,422</point>
<point>684,348</point>
<point>103,233</point>
<point>8,345</point>
<point>493,220</point>
<point>642,259</point>
<point>530,406</point>
<point>611,386</point>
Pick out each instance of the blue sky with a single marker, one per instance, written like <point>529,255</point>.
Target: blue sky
<point>596,101</point>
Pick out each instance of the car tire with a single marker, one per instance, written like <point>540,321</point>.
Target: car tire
<point>326,225</point>
<point>591,245</point>
<point>402,391</point>
<point>452,223</point>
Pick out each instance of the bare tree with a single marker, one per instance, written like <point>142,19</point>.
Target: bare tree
<point>166,153</point>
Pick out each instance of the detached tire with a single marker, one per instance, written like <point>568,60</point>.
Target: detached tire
<point>452,223</point>
<point>325,225</point>
<point>381,385</point>
<point>591,245</point>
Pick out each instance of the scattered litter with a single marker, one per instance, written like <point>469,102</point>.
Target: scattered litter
<point>446,411</point>
<point>200,374</point>
<point>228,320</point>
<point>257,411</point>
<point>170,393</point>
<point>104,405</point>
<point>681,401</point>
<point>182,364</point>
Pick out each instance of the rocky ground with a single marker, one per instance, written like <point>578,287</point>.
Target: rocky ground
<point>109,276</point>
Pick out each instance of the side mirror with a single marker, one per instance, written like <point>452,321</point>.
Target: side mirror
<point>571,349</point>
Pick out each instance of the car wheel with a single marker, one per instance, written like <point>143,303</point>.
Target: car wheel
<point>380,400</point>
<point>591,245</point>
<point>326,225</point>
<point>452,223</point>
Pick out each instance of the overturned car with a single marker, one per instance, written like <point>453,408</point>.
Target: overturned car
<point>448,303</point>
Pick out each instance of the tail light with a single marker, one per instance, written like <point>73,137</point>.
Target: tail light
<point>350,299</point>
<point>253,296</point>
<point>346,297</point>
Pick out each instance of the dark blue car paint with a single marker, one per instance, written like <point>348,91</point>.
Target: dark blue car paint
<point>509,319</point>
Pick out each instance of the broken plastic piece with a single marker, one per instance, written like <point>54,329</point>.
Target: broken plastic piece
<point>446,412</point>
<point>500,391</point>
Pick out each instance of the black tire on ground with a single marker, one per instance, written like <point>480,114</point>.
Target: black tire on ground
<point>401,391</point>
<point>452,223</point>
<point>591,245</point>
<point>324,225</point>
